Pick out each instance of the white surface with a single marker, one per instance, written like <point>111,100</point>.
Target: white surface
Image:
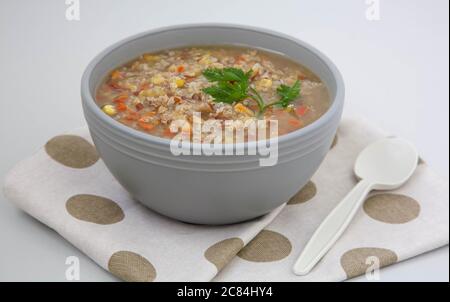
<point>399,161</point>
<point>395,69</point>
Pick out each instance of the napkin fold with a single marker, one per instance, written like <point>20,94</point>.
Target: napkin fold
<point>67,187</point>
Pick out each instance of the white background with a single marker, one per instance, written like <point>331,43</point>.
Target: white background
<point>395,70</point>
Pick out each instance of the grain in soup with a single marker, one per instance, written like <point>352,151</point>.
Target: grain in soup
<point>155,89</point>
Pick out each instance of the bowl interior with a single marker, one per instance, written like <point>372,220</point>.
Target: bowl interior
<point>213,34</point>
<point>131,48</point>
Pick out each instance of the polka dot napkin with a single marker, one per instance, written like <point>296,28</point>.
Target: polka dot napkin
<point>67,187</point>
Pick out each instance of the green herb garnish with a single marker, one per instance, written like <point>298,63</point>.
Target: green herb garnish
<point>288,93</point>
<point>233,85</point>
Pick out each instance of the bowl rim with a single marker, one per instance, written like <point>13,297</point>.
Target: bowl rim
<point>335,108</point>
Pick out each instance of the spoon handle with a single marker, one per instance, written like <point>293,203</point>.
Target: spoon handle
<point>331,228</point>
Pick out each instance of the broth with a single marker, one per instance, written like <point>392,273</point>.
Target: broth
<point>156,89</point>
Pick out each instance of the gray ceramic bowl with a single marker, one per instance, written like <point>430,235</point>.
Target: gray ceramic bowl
<point>210,189</point>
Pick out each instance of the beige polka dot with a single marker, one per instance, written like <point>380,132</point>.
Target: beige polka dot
<point>72,151</point>
<point>94,209</point>
<point>221,253</point>
<point>335,141</point>
<point>265,247</point>
<point>392,208</point>
<point>131,267</point>
<point>354,261</point>
<point>305,194</point>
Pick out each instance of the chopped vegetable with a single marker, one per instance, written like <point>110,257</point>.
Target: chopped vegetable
<point>145,126</point>
<point>266,83</point>
<point>121,107</point>
<point>168,133</point>
<point>179,83</point>
<point>302,110</point>
<point>220,84</point>
<point>116,75</point>
<point>109,110</point>
<point>150,58</point>
<point>243,109</point>
<point>121,99</point>
<point>233,85</point>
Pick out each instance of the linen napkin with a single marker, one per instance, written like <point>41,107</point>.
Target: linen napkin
<point>67,187</point>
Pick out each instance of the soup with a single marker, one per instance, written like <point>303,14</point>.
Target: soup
<point>215,84</point>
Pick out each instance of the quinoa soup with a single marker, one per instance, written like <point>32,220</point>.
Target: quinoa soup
<point>220,83</point>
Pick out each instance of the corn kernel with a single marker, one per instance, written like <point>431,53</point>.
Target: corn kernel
<point>150,58</point>
<point>243,109</point>
<point>109,110</point>
<point>115,75</point>
<point>267,83</point>
<point>179,83</point>
<point>158,79</point>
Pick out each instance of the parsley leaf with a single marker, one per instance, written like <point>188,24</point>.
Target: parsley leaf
<point>225,92</point>
<point>232,84</point>
<point>229,74</point>
<point>288,93</point>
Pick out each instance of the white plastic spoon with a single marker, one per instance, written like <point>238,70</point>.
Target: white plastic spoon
<point>384,165</point>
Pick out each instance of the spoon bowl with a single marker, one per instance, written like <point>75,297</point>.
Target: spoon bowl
<point>387,163</point>
<point>383,165</point>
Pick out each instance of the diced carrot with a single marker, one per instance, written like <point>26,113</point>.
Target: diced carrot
<point>115,75</point>
<point>168,133</point>
<point>302,110</point>
<point>121,107</point>
<point>121,99</point>
<point>295,123</point>
<point>177,99</point>
<point>243,109</point>
<point>145,126</point>
<point>180,68</point>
